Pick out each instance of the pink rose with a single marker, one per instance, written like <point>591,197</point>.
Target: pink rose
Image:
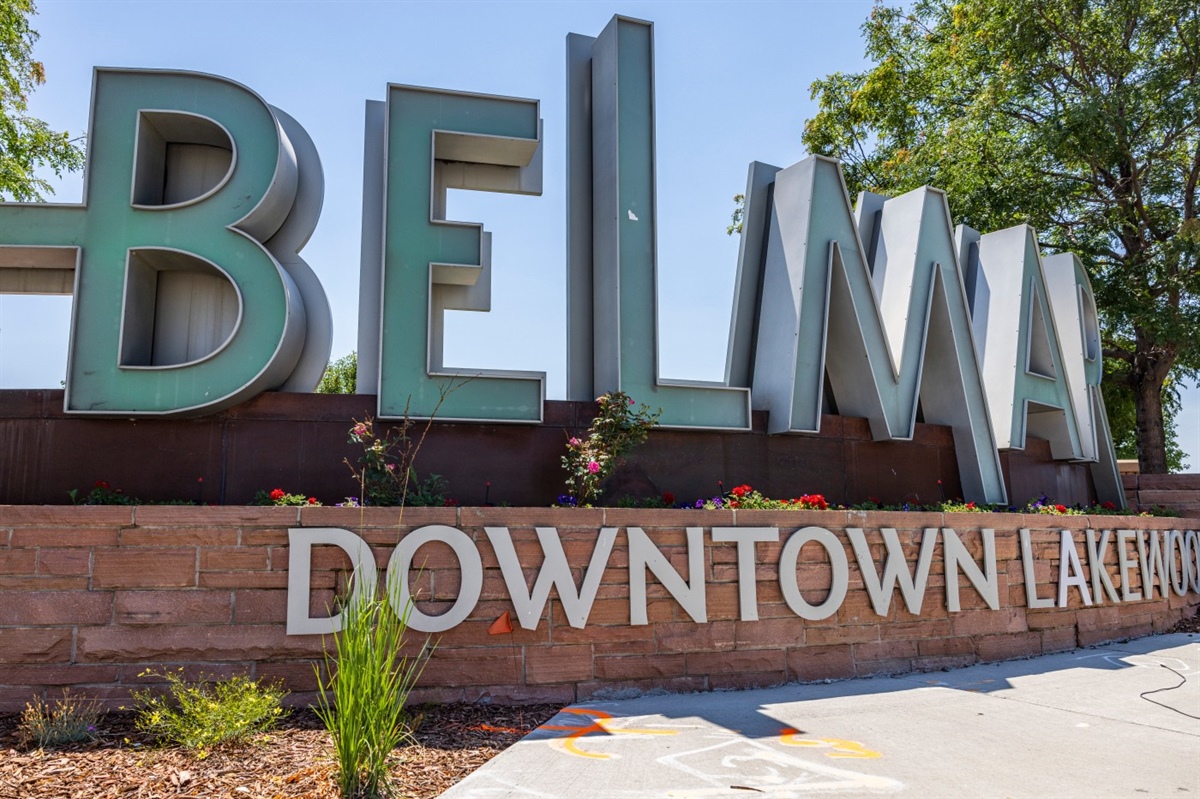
<point>593,467</point>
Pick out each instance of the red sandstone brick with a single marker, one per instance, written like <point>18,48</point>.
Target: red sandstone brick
<point>873,668</point>
<point>915,630</point>
<point>885,650</point>
<point>474,632</point>
<point>1104,617</point>
<point>945,647</point>
<point>13,700</point>
<point>688,636</point>
<point>1008,646</point>
<point>74,516</point>
<point>520,694</point>
<point>144,567</point>
<point>178,537</point>
<point>64,562</point>
<point>18,561</point>
<point>595,634</point>
<point>233,559</point>
<point>255,606</point>
<point>745,680</point>
<point>853,634</point>
<point>769,633</point>
<point>263,537</point>
<point>987,622</point>
<point>552,664</point>
<point>172,607</point>
<point>297,675</point>
<point>53,608</point>
<point>24,645</point>
<point>944,663</point>
<point>639,667</point>
<point>472,517</point>
<point>820,663</point>
<point>472,667</point>
<point>1047,618</point>
<point>57,675</point>
<point>205,671</point>
<point>237,580</point>
<point>39,583</point>
<point>64,537</point>
<point>755,660</point>
<point>1058,639</point>
<point>605,689</point>
<point>653,520</point>
<point>223,517</point>
<point>177,644</point>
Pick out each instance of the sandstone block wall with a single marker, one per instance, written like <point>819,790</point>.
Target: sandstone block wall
<point>90,597</point>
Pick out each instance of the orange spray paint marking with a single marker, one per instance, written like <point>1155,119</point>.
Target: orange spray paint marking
<point>600,723</point>
<point>840,748</point>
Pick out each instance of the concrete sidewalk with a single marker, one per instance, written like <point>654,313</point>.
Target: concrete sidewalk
<point>1119,720</point>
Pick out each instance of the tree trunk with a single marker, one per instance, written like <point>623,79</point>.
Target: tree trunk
<point>1151,443</point>
<point>1151,365</point>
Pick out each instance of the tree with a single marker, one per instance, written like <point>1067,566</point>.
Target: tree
<point>1079,117</point>
<point>341,376</point>
<point>26,143</point>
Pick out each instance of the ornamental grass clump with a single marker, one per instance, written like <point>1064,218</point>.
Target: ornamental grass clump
<point>201,715</point>
<point>62,721</point>
<point>362,699</point>
<point>617,429</point>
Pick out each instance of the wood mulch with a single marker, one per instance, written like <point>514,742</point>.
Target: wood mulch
<point>295,760</point>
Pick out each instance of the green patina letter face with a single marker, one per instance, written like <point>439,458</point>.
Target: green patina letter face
<point>436,140</point>
<point>179,308</point>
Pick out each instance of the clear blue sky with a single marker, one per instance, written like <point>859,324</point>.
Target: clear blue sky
<point>732,86</point>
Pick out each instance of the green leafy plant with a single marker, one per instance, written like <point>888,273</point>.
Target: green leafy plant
<point>65,720</point>
<point>385,473</point>
<point>201,715</point>
<point>278,496</point>
<point>341,376</point>
<point>617,429</point>
<point>102,493</point>
<point>362,700</point>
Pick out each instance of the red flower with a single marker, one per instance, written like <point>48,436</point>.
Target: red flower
<point>733,503</point>
<point>1109,505</point>
<point>312,500</point>
<point>668,498</point>
<point>741,490</point>
<point>1061,508</point>
<point>450,502</point>
<point>277,494</point>
<point>971,505</point>
<point>101,484</point>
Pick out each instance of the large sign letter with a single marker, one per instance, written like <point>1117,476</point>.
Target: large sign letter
<point>416,265</point>
<point>189,295</point>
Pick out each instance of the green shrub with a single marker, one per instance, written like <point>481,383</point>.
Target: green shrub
<point>64,720</point>
<point>203,714</point>
<point>362,700</point>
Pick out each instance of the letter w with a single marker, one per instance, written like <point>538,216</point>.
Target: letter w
<point>895,569</point>
<point>555,571</point>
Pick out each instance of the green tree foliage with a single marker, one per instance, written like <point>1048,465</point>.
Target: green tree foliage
<point>26,143</point>
<point>1079,117</point>
<point>341,376</point>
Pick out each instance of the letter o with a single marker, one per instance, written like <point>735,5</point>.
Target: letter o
<point>468,563</point>
<point>789,584</point>
<point>1191,558</point>
<point>1177,565</point>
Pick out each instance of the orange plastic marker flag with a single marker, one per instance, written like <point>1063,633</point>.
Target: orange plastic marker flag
<point>501,625</point>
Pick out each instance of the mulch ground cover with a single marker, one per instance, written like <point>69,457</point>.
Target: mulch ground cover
<point>294,760</point>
